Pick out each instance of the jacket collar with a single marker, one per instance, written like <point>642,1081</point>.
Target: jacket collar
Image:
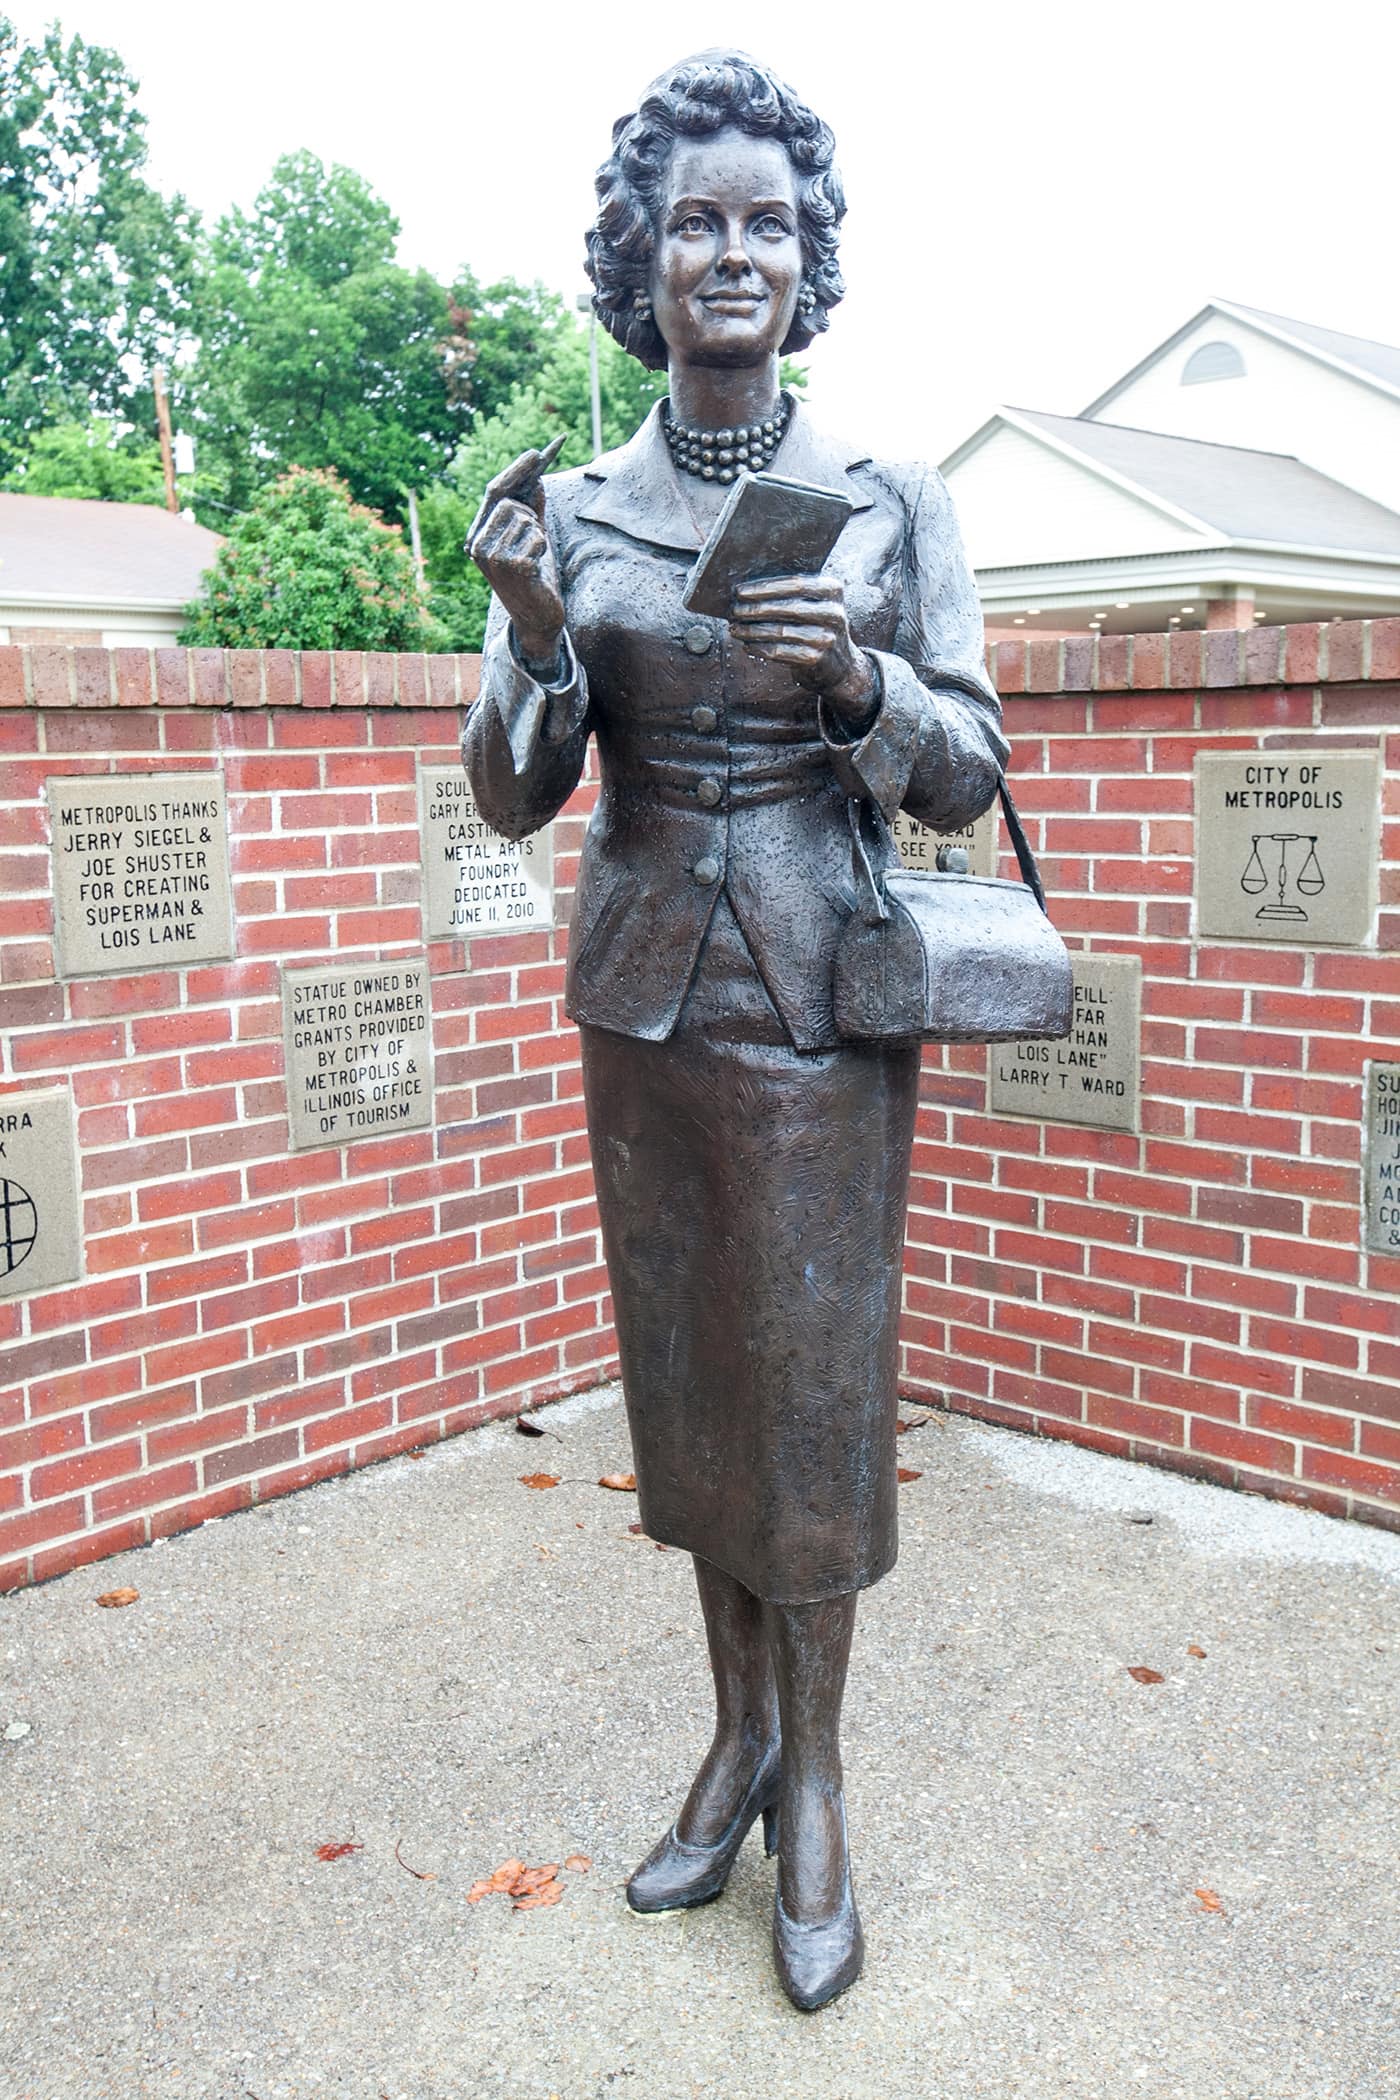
<point>637,487</point>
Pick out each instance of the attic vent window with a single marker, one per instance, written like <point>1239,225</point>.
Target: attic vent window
<point>1212,361</point>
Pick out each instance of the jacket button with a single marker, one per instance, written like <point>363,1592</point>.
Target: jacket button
<point>706,870</point>
<point>699,640</point>
<point>708,792</point>
<point>704,718</point>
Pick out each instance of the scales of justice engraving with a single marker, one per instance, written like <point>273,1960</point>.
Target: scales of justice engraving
<point>1306,878</point>
<point>19,1225</point>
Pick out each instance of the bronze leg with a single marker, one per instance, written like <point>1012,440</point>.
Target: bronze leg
<point>811,1646</point>
<point>746,1706</point>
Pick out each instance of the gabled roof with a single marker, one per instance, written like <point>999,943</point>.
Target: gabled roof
<point>62,549</point>
<point>1378,364</point>
<point>1226,490</point>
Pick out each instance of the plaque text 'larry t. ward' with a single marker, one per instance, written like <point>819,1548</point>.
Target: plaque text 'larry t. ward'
<point>1093,1075</point>
<point>359,1050</point>
<point>477,881</point>
<point>140,871</point>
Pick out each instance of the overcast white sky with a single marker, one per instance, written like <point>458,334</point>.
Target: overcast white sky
<point>1038,193</point>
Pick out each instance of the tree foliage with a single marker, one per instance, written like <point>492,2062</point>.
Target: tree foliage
<point>98,267</point>
<point>89,460</point>
<point>316,348</point>
<point>309,568</point>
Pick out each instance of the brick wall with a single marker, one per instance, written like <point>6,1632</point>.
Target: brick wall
<point>253,1319</point>
<point>1195,1294</point>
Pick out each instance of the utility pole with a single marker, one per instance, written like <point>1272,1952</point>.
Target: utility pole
<point>586,306</point>
<point>167,450</point>
<point>416,542</point>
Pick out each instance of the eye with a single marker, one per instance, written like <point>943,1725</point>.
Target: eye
<point>772,227</point>
<point>693,223</point>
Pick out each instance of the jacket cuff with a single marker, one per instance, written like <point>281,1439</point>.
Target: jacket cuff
<point>876,765</point>
<point>532,713</point>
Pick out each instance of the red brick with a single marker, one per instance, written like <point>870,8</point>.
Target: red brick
<point>1241,1446</point>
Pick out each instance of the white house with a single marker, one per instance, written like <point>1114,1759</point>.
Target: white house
<point>109,573</point>
<point>1247,469</point>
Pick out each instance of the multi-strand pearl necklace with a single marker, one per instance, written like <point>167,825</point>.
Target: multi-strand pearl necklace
<point>718,455</point>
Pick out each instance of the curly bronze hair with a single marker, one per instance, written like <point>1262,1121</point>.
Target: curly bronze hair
<point>701,95</point>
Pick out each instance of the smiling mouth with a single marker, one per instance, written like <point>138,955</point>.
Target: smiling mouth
<point>732,302</point>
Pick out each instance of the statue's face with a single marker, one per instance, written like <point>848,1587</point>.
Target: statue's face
<point>727,265</point>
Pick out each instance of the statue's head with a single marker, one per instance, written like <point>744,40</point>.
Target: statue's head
<point>719,214</point>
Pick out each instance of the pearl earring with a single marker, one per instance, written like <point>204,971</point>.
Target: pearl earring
<point>641,307</point>
<point>806,300</point>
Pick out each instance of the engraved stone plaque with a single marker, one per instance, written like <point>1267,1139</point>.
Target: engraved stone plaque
<point>41,1239</point>
<point>140,871</point>
<point>919,843</point>
<point>1287,845</point>
<point>1381,1157</point>
<point>1093,1075</point>
<point>477,881</point>
<point>359,1050</point>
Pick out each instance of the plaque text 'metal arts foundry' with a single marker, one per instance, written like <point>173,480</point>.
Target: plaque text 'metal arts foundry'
<point>1093,1075</point>
<point>1287,845</point>
<point>477,881</point>
<point>1381,1156</point>
<point>41,1241</point>
<point>140,871</point>
<point>359,1050</point>
<point>919,843</point>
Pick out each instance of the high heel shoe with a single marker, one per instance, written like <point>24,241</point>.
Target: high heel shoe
<point>678,1876</point>
<point>817,1959</point>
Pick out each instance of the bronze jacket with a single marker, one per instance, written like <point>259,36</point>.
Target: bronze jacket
<point>719,771</point>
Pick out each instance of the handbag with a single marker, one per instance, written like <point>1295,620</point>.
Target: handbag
<point>950,958</point>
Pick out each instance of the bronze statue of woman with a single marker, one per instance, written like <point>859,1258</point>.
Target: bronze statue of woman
<point>752,1168</point>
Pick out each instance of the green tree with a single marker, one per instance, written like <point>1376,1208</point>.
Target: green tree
<point>499,334</point>
<point>317,349</point>
<point>89,459</point>
<point>309,568</point>
<point>96,268</point>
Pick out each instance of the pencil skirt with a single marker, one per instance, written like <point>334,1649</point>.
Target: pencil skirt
<point>753,1202</point>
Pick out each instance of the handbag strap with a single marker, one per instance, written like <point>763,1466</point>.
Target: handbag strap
<point>868,888</point>
<point>1025,859</point>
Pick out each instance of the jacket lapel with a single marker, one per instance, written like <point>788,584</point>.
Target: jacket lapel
<point>636,487</point>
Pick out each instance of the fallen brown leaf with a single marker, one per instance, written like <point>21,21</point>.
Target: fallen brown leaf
<point>1140,1674</point>
<point>1208,1899</point>
<point>1199,1653</point>
<point>623,1483</point>
<point>635,1529</point>
<point>539,1480</point>
<point>908,1473</point>
<point>533,1878</point>
<point>524,1428</point>
<point>552,1892</point>
<point>113,1600</point>
<point>577,1863</point>
<point>338,1849</point>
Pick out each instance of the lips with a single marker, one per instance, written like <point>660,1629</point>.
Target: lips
<point>738,303</point>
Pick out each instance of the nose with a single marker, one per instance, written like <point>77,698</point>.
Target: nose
<point>735,259</point>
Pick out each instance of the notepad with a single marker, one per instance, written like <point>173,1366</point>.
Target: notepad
<point>770,526</point>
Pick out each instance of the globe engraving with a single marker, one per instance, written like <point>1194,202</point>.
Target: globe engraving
<point>19,1225</point>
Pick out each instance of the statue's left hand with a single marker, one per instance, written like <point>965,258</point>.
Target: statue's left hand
<point>801,620</point>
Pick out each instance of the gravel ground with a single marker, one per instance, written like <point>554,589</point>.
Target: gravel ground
<point>431,1657</point>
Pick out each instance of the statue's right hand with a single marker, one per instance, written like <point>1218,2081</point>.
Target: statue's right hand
<point>508,543</point>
